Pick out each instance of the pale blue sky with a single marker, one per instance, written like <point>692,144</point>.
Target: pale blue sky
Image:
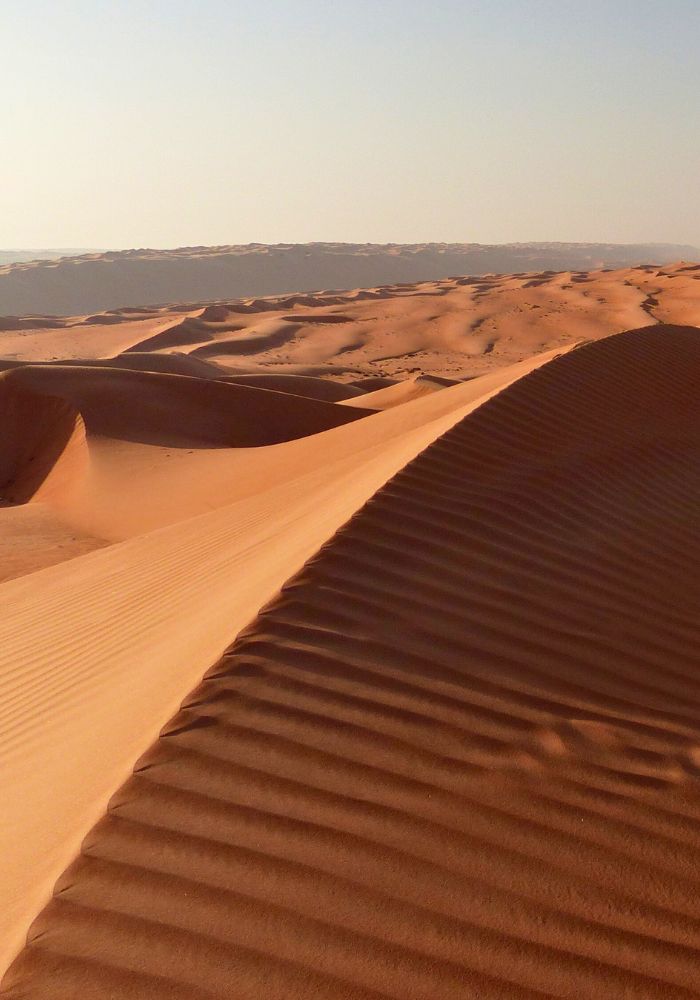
<point>177,122</point>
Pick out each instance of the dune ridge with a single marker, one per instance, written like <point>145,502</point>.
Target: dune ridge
<point>138,406</point>
<point>457,755</point>
<point>97,653</point>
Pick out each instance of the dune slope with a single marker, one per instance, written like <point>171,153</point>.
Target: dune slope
<point>397,395</point>
<point>32,536</point>
<point>178,410</point>
<point>43,454</point>
<point>96,654</point>
<point>457,756</point>
<point>39,431</point>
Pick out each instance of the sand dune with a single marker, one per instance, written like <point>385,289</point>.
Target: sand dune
<point>42,433</point>
<point>98,281</point>
<point>74,338</point>
<point>100,454</point>
<point>142,361</point>
<point>455,756</point>
<point>178,410</point>
<point>301,385</point>
<point>96,654</point>
<point>133,488</point>
<point>454,328</point>
<point>402,392</point>
<point>456,753</point>
<point>43,453</point>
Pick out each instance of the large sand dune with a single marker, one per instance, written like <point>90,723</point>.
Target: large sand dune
<point>456,753</point>
<point>177,410</point>
<point>98,281</point>
<point>456,756</point>
<point>97,653</point>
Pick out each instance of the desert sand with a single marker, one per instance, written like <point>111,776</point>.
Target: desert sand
<point>433,548</point>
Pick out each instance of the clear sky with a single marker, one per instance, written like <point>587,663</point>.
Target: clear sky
<point>177,122</point>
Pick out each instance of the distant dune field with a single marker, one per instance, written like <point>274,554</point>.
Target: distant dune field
<point>93,282</point>
<point>349,641</point>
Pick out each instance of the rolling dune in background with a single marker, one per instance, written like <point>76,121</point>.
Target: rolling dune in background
<point>454,328</point>
<point>440,544</point>
<point>96,281</point>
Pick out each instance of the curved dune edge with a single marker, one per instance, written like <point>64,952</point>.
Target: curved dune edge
<point>299,385</point>
<point>43,458</point>
<point>42,444</point>
<point>134,488</point>
<point>457,756</point>
<point>397,395</point>
<point>97,653</point>
<point>178,410</point>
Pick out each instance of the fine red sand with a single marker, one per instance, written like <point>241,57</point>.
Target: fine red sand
<point>451,746</point>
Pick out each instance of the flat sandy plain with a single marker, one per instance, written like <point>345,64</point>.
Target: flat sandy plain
<point>349,644</point>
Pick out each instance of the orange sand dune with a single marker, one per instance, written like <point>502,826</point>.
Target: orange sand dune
<point>33,536</point>
<point>133,488</point>
<point>300,385</point>
<point>178,410</point>
<point>82,482</point>
<point>97,653</point>
<point>455,756</point>
<point>165,364</point>
<point>402,392</point>
<point>75,338</point>
<point>43,453</point>
<point>39,431</point>
<point>454,328</point>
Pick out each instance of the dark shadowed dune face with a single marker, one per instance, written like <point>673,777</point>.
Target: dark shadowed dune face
<point>35,430</point>
<point>459,755</point>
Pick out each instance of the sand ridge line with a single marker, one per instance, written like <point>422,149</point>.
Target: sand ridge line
<point>70,677</point>
<point>401,776</point>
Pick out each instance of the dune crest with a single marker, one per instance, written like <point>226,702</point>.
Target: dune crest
<point>125,632</point>
<point>179,410</point>
<point>402,392</point>
<point>456,755</point>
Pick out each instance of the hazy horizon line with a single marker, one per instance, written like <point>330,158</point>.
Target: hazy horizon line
<point>379,243</point>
